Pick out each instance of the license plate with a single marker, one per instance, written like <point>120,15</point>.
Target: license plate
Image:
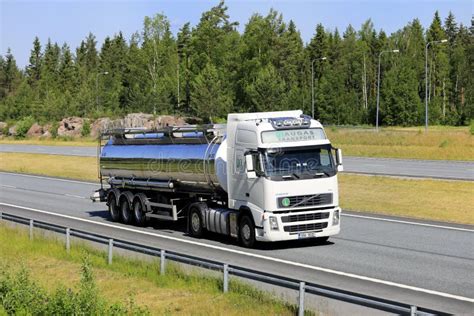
<point>306,235</point>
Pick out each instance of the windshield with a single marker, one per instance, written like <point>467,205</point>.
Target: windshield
<point>299,162</point>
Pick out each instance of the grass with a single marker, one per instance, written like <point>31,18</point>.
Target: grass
<point>177,292</point>
<point>77,142</point>
<point>439,143</point>
<point>451,201</point>
<point>80,168</point>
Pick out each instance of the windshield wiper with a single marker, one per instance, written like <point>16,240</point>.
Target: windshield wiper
<point>292,175</point>
<point>322,173</point>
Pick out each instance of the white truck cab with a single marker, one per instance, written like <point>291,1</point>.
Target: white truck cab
<point>281,167</point>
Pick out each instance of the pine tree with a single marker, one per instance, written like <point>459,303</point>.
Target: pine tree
<point>33,70</point>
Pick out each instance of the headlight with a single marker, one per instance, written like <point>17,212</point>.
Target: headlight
<point>273,223</point>
<point>335,218</point>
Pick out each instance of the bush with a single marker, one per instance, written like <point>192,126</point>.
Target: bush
<point>86,128</point>
<point>19,295</point>
<point>54,129</point>
<point>23,126</point>
<point>471,127</point>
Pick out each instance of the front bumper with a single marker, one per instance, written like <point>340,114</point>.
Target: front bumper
<point>266,234</point>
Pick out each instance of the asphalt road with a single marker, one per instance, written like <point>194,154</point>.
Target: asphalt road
<point>427,264</point>
<point>455,170</point>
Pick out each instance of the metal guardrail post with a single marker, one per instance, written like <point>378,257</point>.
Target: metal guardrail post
<point>111,246</point>
<point>162,262</point>
<point>68,239</point>
<point>226,278</point>
<point>301,299</point>
<point>413,310</point>
<point>31,229</point>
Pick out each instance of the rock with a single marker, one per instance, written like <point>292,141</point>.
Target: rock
<point>99,125</point>
<point>46,134</point>
<point>133,120</point>
<point>35,130</point>
<point>70,127</point>
<point>12,131</point>
<point>47,127</point>
<point>169,120</point>
<point>3,126</point>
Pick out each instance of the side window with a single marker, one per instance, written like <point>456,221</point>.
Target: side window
<point>247,138</point>
<point>239,162</point>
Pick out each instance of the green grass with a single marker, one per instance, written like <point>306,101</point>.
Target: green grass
<point>61,141</point>
<point>182,292</point>
<point>439,143</point>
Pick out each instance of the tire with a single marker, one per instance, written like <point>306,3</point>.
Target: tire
<point>139,209</point>
<point>196,228</point>
<point>247,232</point>
<point>125,211</point>
<point>113,207</point>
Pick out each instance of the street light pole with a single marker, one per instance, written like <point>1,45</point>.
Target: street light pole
<point>312,84</point>
<point>97,88</point>
<point>426,79</point>
<point>378,87</point>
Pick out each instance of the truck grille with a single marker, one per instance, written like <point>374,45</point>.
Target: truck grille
<point>304,217</point>
<point>305,200</point>
<point>305,227</point>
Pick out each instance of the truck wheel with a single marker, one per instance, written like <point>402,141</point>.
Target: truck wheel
<point>139,209</point>
<point>125,211</point>
<point>113,207</point>
<point>247,232</point>
<point>195,222</point>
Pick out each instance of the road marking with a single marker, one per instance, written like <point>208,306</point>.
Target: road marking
<point>8,186</point>
<point>410,223</point>
<point>75,196</point>
<point>301,265</point>
<point>49,178</point>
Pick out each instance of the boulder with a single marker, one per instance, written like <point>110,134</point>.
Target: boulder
<point>99,125</point>
<point>70,127</point>
<point>46,134</point>
<point>133,120</point>
<point>169,120</point>
<point>35,130</point>
<point>12,131</point>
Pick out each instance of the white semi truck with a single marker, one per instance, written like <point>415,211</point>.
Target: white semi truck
<point>267,176</point>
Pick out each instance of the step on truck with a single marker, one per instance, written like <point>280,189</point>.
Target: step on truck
<point>261,177</point>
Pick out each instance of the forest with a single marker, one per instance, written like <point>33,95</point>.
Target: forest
<point>211,69</point>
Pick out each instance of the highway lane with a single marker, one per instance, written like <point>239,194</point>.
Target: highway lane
<point>455,170</point>
<point>430,258</point>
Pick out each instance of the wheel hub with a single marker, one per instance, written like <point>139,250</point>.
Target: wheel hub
<point>195,222</point>
<point>246,232</point>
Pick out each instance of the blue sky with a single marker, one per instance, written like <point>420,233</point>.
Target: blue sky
<point>71,20</point>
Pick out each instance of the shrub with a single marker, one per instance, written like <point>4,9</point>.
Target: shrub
<point>86,128</point>
<point>54,129</point>
<point>471,127</point>
<point>23,126</point>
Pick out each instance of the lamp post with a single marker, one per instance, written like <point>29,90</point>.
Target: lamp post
<point>312,83</point>
<point>426,78</point>
<point>97,88</point>
<point>378,87</point>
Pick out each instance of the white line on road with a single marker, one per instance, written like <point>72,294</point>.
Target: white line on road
<point>409,223</point>
<point>7,186</point>
<point>242,253</point>
<point>75,196</point>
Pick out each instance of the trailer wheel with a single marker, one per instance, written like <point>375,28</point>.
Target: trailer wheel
<point>195,222</point>
<point>139,209</point>
<point>247,231</point>
<point>113,207</point>
<point>125,212</point>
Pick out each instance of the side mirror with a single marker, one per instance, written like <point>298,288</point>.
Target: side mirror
<point>340,167</point>
<point>249,166</point>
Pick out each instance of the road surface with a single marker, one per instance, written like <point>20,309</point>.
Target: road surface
<point>422,263</point>
<point>454,170</point>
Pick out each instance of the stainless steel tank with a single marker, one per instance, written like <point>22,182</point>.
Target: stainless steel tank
<point>188,166</point>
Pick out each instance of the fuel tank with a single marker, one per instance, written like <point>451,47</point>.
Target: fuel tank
<point>190,167</point>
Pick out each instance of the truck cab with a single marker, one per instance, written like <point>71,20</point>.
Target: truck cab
<point>282,169</point>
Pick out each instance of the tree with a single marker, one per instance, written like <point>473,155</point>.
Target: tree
<point>208,97</point>
<point>33,70</point>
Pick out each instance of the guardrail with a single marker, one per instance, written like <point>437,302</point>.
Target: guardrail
<point>301,286</point>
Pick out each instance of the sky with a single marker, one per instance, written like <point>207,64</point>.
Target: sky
<point>71,20</point>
